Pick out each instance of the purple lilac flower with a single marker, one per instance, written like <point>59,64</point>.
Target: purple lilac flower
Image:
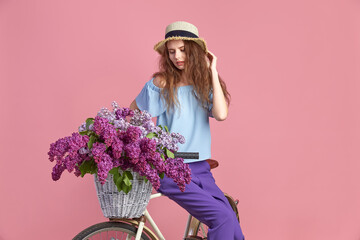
<point>157,161</point>
<point>140,118</point>
<point>123,113</point>
<point>177,137</point>
<point>166,140</point>
<point>147,145</point>
<point>132,134</point>
<point>84,150</point>
<point>98,150</point>
<point>140,165</point>
<point>152,175</point>
<point>121,124</point>
<point>70,161</point>
<point>143,132</point>
<point>117,148</point>
<point>104,129</point>
<point>82,127</point>
<point>58,169</point>
<point>58,149</point>
<point>100,124</point>
<point>105,113</point>
<point>124,163</point>
<point>133,150</point>
<point>104,166</point>
<point>178,171</point>
<point>76,142</point>
<point>66,152</point>
<point>115,105</point>
<point>77,171</point>
<point>109,134</point>
<point>149,126</point>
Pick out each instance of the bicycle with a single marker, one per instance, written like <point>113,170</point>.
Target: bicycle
<point>129,229</point>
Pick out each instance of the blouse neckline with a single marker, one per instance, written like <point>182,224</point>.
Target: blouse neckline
<point>158,89</point>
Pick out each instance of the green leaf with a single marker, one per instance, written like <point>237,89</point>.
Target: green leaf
<point>163,157</point>
<point>119,183</point>
<point>88,167</point>
<point>126,188</point>
<point>89,121</point>
<point>169,153</point>
<point>129,175</point>
<point>161,127</point>
<point>83,133</point>
<point>115,171</point>
<point>150,135</point>
<point>161,175</point>
<point>127,181</point>
<point>91,141</point>
<point>119,187</point>
<point>166,129</point>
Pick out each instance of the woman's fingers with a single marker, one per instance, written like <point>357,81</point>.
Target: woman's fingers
<point>207,60</point>
<point>213,58</point>
<point>211,54</point>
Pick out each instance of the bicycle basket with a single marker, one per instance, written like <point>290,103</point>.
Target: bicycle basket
<point>115,204</point>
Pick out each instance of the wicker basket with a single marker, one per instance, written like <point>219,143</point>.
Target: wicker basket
<point>115,204</point>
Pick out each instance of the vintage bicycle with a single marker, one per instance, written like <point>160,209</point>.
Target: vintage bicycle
<point>135,229</point>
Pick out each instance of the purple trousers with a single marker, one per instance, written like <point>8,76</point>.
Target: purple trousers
<point>204,200</point>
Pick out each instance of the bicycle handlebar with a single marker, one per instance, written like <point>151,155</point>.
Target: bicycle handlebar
<point>187,155</point>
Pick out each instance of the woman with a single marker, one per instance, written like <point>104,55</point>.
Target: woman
<point>183,95</point>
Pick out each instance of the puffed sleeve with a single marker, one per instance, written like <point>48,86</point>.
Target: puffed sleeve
<point>149,99</point>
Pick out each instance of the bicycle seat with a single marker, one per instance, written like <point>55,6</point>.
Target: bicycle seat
<point>213,163</point>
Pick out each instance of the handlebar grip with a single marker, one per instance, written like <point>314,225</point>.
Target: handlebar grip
<point>187,155</point>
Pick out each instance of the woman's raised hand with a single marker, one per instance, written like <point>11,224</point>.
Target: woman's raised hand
<point>211,60</point>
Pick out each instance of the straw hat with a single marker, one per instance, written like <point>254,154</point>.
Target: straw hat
<point>180,30</point>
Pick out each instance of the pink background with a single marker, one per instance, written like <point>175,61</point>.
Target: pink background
<point>289,149</point>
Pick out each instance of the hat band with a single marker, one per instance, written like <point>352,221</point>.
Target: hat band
<point>180,33</point>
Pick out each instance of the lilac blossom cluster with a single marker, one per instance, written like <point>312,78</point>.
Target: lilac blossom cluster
<point>125,139</point>
<point>178,171</point>
<point>69,153</point>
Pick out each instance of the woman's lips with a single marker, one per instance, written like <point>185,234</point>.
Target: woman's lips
<point>180,63</point>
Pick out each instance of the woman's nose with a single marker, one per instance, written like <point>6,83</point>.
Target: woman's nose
<point>177,54</point>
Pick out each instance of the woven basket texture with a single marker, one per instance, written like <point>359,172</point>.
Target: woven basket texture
<point>115,204</point>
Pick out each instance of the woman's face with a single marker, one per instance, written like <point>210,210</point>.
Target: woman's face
<point>176,50</point>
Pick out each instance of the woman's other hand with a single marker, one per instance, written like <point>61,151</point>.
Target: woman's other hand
<point>211,60</point>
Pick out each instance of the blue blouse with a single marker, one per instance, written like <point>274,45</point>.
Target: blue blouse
<point>191,120</point>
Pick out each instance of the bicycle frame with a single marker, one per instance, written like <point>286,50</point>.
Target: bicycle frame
<point>158,234</point>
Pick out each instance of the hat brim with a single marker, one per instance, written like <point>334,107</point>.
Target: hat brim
<point>160,46</point>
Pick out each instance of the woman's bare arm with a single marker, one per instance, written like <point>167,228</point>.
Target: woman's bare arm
<point>133,105</point>
<point>220,107</point>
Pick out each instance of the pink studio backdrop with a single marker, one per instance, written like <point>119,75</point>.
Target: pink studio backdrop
<point>289,149</point>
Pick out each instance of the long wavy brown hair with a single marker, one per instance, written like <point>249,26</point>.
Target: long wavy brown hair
<point>196,71</point>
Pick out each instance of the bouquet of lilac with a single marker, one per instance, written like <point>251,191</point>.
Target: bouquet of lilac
<point>121,139</point>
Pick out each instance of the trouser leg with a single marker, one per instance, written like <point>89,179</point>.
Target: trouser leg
<point>208,183</point>
<point>205,201</point>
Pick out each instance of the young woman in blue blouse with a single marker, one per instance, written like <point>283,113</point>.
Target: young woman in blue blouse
<point>185,92</point>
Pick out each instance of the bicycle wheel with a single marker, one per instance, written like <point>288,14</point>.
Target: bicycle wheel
<point>110,231</point>
<point>233,205</point>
